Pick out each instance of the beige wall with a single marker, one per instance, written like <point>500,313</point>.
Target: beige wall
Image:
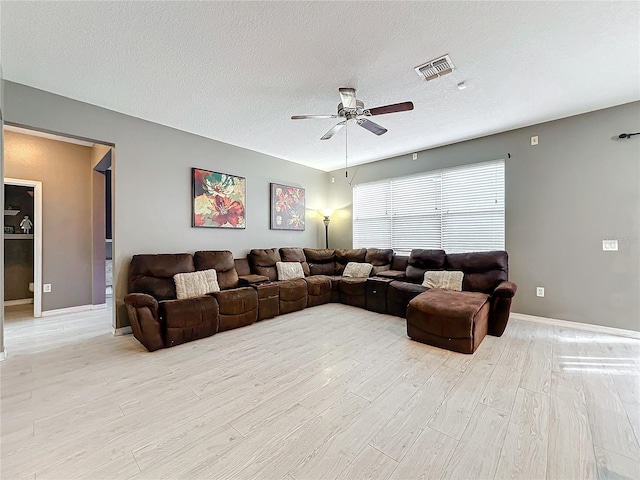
<point>65,172</point>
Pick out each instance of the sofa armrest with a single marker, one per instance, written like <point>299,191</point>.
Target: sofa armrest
<point>505,290</point>
<point>248,280</point>
<point>394,274</point>
<point>146,326</point>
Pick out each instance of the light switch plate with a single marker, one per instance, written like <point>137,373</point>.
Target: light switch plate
<point>540,291</point>
<point>610,245</point>
<point>534,140</point>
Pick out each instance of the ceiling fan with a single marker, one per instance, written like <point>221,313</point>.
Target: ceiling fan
<point>353,109</point>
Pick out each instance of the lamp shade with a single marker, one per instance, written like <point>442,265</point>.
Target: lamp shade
<point>327,212</point>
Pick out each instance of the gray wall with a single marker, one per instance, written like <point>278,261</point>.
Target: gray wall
<point>152,168</point>
<point>579,186</point>
<point>65,172</point>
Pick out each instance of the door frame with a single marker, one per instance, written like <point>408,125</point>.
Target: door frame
<point>37,239</point>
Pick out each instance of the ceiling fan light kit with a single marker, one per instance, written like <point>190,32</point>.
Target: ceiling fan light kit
<point>353,109</point>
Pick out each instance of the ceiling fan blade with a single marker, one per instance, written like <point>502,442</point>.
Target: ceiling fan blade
<point>348,96</point>
<point>333,130</point>
<point>396,107</point>
<point>371,126</point>
<point>304,117</point>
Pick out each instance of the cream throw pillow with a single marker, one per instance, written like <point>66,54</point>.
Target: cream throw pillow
<point>444,279</point>
<point>289,270</point>
<point>357,270</point>
<point>196,284</point>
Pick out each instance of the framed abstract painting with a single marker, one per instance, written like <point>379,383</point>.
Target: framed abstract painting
<point>287,207</point>
<point>218,199</point>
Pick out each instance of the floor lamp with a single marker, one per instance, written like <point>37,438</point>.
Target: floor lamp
<point>326,213</point>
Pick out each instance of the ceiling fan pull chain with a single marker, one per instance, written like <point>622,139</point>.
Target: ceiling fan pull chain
<point>346,150</point>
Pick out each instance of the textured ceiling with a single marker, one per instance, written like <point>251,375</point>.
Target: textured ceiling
<point>237,71</point>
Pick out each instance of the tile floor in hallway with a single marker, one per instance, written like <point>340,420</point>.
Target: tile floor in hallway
<point>328,392</point>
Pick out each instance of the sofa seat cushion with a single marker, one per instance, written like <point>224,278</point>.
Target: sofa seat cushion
<point>399,294</point>
<point>353,286</point>
<point>188,319</point>
<point>446,313</point>
<point>318,285</point>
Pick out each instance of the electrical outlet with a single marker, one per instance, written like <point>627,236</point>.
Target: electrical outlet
<point>46,288</point>
<point>540,291</point>
<point>415,156</point>
<point>610,245</point>
<point>534,140</point>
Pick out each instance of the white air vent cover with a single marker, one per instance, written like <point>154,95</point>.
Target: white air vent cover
<point>435,68</point>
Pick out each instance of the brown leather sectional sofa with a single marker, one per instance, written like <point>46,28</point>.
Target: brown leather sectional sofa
<point>250,291</point>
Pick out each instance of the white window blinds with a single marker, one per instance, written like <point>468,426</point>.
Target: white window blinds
<point>459,209</point>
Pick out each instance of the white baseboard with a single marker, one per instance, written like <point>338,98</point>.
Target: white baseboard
<point>99,306</point>
<point>3,355</point>
<point>122,331</point>
<point>619,332</point>
<point>22,301</point>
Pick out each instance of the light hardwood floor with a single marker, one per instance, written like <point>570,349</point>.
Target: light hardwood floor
<point>329,392</point>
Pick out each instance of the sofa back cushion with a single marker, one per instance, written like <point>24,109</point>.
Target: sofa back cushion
<point>295,254</point>
<point>222,262</point>
<point>422,260</point>
<point>483,271</point>
<point>322,261</point>
<point>153,274</point>
<point>242,266</point>
<point>380,258</point>
<point>263,262</point>
<point>400,262</point>
<point>344,256</point>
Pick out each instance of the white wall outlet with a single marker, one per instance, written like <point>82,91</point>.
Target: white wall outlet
<point>333,179</point>
<point>539,291</point>
<point>610,245</point>
<point>534,140</point>
<point>46,288</point>
<point>415,156</point>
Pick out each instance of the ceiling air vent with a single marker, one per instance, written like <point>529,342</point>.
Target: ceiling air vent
<point>435,68</point>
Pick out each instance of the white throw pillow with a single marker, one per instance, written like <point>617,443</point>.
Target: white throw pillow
<point>357,270</point>
<point>196,284</point>
<point>289,270</point>
<point>444,279</point>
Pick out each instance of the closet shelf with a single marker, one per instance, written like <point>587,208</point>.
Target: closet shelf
<point>18,236</point>
<point>11,213</point>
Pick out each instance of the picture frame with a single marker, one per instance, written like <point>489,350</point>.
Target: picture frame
<point>287,207</point>
<point>218,200</point>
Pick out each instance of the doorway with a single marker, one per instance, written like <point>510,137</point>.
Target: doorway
<point>23,243</point>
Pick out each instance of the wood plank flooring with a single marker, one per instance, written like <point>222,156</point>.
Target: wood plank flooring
<point>331,392</point>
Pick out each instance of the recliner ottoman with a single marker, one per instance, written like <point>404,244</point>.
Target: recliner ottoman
<point>456,321</point>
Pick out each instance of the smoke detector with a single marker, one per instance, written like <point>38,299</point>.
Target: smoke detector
<point>435,68</point>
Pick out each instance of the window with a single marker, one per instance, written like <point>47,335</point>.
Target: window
<point>458,209</point>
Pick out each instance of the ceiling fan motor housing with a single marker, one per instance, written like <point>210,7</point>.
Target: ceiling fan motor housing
<point>351,113</point>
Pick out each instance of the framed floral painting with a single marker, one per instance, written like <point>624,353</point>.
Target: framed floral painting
<point>218,199</point>
<point>287,207</point>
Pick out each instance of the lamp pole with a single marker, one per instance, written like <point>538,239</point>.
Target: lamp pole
<point>326,231</point>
